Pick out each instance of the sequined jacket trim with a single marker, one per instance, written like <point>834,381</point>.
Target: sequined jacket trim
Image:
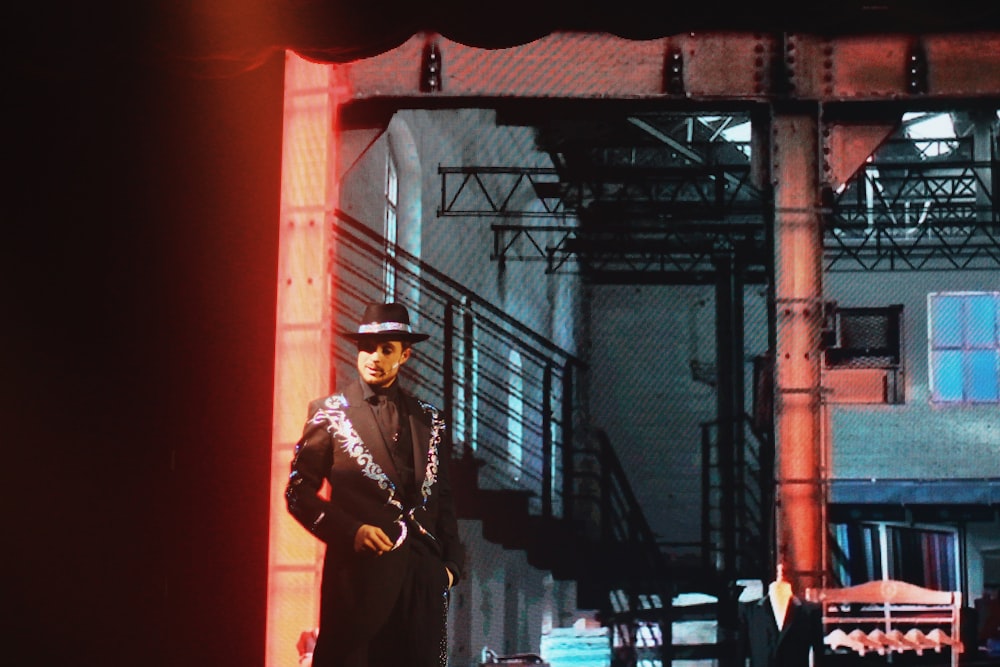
<point>332,417</point>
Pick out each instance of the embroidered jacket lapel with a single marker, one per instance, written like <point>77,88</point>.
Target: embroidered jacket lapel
<point>421,442</point>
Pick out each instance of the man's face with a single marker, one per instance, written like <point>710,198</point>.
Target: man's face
<point>379,361</point>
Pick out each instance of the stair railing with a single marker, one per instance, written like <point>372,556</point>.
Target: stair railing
<point>511,397</point>
<point>513,401</point>
<point>748,496</point>
<point>645,571</point>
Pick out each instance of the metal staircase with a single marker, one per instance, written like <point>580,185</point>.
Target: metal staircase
<point>561,495</point>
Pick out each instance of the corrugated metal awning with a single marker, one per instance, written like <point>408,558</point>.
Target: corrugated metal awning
<point>985,491</point>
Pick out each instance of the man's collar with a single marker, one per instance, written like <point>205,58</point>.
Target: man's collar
<point>369,392</point>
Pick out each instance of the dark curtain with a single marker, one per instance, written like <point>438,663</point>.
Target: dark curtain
<point>244,34</point>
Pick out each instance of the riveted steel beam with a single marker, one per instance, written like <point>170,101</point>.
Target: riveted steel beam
<point>716,67</point>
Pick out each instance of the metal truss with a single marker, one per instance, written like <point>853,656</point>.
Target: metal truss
<point>485,192</point>
<point>927,247</point>
<point>630,254</point>
<point>697,191</point>
<point>672,224</point>
<point>916,214</point>
<point>858,79</point>
<point>616,224</point>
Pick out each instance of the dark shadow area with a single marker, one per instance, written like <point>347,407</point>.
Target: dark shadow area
<point>139,267</point>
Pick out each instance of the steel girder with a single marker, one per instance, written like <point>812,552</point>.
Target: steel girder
<point>915,215</point>
<point>893,215</point>
<point>858,84</point>
<point>691,69</point>
<point>666,225</point>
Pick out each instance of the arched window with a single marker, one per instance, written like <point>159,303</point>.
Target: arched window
<point>515,412</point>
<point>391,227</point>
<point>402,224</point>
<point>466,427</point>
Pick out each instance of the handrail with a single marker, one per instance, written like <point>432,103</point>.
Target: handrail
<point>622,518</point>
<point>518,418</point>
<point>476,336</point>
<point>356,226</point>
<point>623,522</point>
<point>750,497</point>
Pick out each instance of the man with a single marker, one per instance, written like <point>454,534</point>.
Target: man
<point>392,546</point>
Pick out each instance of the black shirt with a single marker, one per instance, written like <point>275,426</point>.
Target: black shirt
<point>389,409</point>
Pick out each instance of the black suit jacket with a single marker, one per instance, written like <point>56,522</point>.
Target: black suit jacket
<point>341,444</point>
<point>767,646</point>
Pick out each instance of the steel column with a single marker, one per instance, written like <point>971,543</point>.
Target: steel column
<point>799,295</point>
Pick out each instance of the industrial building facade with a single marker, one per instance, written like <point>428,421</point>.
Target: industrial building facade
<point>707,303</point>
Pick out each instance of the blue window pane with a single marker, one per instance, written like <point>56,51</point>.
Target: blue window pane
<point>982,318</point>
<point>965,347</point>
<point>983,384</point>
<point>947,375</point>
<point>946,319</point>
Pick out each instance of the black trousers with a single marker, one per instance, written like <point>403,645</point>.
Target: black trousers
<point>416,633</point>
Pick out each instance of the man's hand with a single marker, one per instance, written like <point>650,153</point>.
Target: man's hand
<point>371,538</point>
<point>451,577</point>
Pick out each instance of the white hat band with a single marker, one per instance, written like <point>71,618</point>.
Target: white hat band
<point>383,327</point>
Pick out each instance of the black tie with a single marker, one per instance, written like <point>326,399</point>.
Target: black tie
<point>388,419</point>
<point>397,439</point>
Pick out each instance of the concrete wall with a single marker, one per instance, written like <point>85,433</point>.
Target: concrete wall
<point>916,439</point>
<point>503,603</point>
<point>645,396</point>
<point>424,140</point>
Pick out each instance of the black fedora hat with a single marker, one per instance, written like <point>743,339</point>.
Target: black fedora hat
<point>385,321</point>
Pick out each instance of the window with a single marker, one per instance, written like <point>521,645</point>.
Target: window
<point>390,231</point>
<point>923,556</point>
<point>466,382</point>
<point>933,134</point>
<point>964,346</point>
<point>515,412</point>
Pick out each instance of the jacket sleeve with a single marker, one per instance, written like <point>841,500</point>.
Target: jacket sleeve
<point>453,551</point>
<point>311,463</point>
